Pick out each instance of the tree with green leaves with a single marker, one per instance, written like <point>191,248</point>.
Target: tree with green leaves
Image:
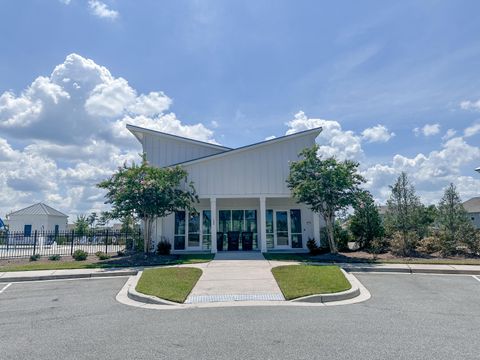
<point>401,218</point>
<point>146,192</point>
<point>104,219</point>
<point>327,186</point>
<point>92,220</point>
<point>455,228</point>
<point>365,223</point>
<point>81,224</point>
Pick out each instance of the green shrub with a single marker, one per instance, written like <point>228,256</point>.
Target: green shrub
<point>55,257</point>
<point>98,253</point>
<point>104,256</point>
<point>430,244</point>
<point>34,257</point>
<point>80,255</point>
<point>312,245</point>
<point>121,253</point>
<point>164,247</point>
<point>403,245</point>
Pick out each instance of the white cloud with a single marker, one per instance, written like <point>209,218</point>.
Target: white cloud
<point>333,140</point>
<point>427,130</point>
<point>449,134</point>
<point>378,133</point>
<point>101,10</point>
<point>470,105</point>
<point>271,137</point>
<point>430,172</point>
<point>72,125</point>
<point>472,130</point>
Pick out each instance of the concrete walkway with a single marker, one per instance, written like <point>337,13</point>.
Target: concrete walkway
<point>236,276</point>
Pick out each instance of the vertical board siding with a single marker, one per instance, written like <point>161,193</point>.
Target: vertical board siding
<point>260,170</point>
<point>165,152</point>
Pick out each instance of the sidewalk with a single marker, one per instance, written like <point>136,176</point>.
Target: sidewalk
<point>15,276</point>
<point>236,276</point>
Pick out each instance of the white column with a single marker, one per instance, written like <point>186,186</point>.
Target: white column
<point>263,223</point>
<point>316,227</point>
<point>213,229</point>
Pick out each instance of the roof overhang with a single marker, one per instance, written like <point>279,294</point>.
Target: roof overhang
<point>139,133</point>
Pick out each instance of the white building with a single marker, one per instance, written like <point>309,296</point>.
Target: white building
<point>245,203</point>
<point>472,207</point>
<point>40,217</point>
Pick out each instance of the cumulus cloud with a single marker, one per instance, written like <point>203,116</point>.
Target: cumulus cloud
<point>69,131</point>
<point>470,105</point>
<point>427,130</point>
<point>430,172</point>
<point>378,133</point>
<point>472,130</point>
<point>333,140</point>
<point>449,134</point>
<point>101,10</point>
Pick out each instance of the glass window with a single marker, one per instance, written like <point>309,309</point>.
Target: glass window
<point>194,229</point>
<point>179,237</point>
<point>251,220</point>
<point>296,228</point>
<point>180,222</point>
<point>269,221</point>
<point>281,218</point>
<point>224,220</point>
<point>206,230</point>
<point>237,220</point>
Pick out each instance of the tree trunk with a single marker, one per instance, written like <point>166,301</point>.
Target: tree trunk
<point>331,240</point>
<point>146,235</point>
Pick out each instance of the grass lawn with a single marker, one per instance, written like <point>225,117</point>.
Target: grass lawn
<point>172,284</point>
<point>302,257</point>
<point>302,280</point>
<point>93,262</point>
<point>194,258</point>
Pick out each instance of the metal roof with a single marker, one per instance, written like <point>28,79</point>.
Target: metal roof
<point>38,209</point>
<point>472,205</point>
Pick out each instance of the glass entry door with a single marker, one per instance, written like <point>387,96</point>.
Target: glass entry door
<point>281,229</point>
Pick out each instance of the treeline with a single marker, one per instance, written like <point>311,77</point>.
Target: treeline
<point>407,226</point>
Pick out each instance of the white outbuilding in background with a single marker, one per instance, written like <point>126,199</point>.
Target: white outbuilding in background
<point>40,217</point>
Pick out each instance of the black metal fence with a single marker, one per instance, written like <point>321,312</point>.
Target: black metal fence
<point>17,244</point>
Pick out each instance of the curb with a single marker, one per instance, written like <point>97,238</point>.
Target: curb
<point>148,299</point>
<point>353,292</point>
<point>404,270</point>
<point>68,276</point>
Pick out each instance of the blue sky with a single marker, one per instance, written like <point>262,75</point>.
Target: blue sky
<point>236,72</point>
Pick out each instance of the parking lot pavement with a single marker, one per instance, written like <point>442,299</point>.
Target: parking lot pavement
<point>408,317</point>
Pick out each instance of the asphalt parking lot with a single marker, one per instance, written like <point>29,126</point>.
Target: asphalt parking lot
<point>408,317</point>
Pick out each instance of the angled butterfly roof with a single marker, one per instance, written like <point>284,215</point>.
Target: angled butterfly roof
<point>139,132</point>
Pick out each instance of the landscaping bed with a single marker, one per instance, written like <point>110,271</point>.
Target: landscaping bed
<point>365,257</point>
<point>93,262</point>
<point>302,280</point>
<point>172,284</point>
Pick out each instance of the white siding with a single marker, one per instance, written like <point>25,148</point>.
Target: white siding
<point>162,151</point>
<point>38,222</point>
<point>259,170</point>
